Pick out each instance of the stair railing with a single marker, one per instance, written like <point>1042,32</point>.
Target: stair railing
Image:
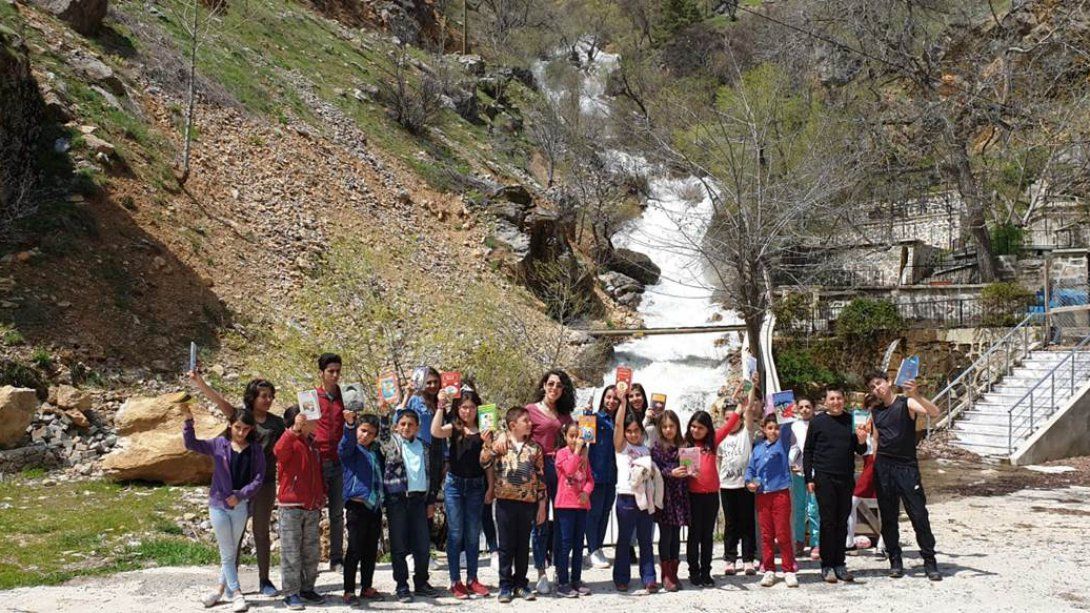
<point>996,362</point>
<point>1031,410</point>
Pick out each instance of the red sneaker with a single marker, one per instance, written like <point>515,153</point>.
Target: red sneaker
<point>370,593</point>
<point>459,591</point>
<point>476,589</point>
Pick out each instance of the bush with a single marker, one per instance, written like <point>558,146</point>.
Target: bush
<point>413,103</point>
<point>1004,303</point>
<point>791,310</point>
<point>1007,239</point>
<point>867,320</point>
<point>802,369</point>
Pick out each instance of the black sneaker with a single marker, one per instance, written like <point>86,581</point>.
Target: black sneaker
<point>931,569</point>
<point>426,590</point>
<point>896,569</point>
<point>828,575</point>
<point>312,596</point>
<point>707,581</point>
<point>843,573</point>
<point>404,596</point>
<point>525,593</point>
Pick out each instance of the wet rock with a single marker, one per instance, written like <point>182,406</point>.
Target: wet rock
<point>85,16</point>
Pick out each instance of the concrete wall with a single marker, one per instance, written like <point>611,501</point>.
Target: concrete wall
<point>1065,435</point>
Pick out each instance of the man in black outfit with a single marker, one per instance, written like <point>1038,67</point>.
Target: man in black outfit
<point>828,465</point>
<point>897,472</point>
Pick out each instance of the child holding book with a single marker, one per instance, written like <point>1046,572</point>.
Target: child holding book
<point>675,504</point>
<point>575,483</point>
<point>363,495</point>
<point>628,442</point>
<point>238,471</point>
<point>519,485</point>
<point>300,496</point>
<point>409,504</point>
<point>465,486</point>
<point>704,494</point>
<point>739,504</point>
<point>768,475</point>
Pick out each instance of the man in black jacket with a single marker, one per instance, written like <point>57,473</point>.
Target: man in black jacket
<point>828,464</point>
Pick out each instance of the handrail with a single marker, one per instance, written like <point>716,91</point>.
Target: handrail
<point>1051,376</point>
<point>978,365</point>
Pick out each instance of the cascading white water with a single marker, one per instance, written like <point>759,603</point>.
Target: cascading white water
<point>689,369</point>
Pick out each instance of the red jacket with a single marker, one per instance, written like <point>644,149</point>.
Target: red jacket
<point>330,424</point>
<point>299,473</point>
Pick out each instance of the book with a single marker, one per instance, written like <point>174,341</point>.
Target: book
<point>658,403</point>
<point>623,379</point>
<point>451,383</point>
<point>588,428</point>
<point>420,374</point>
<point>783,403</point>
<point>308,405</point>
<point>909,370</point>
<point>192,356</point>
<point>388,389</point>
<point>689,457</point>
<point>352,395</point>
<point>488,418</point>
<point>860,417</point>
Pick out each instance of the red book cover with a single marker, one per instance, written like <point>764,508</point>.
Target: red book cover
<point>624,373</point>
<point>451,383</point>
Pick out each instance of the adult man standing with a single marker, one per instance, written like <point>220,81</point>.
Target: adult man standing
<point>828,465</point>
<point>327,437</point>
<point>897,472</point>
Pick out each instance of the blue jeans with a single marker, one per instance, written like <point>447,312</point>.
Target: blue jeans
<point>228,525</point>
<point>407,519</point>
<point>571,525</point>
<point>601,502</point>
<point>540,535</point>
<point>631,519</point>
<point>464,500</point>
<point>804,507</point>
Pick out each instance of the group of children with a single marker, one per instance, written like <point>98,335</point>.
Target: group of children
<point>638,461</point>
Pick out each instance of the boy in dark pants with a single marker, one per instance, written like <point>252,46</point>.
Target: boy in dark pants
<point>828,465</point>
<point>897,472</point>
<point>520,501</point>
<point>409,505</point>
<point>363,495</point>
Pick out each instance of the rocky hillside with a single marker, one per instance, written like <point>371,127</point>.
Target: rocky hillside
<point>311,219</point>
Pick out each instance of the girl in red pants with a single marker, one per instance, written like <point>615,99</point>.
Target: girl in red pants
<point>769,476</point>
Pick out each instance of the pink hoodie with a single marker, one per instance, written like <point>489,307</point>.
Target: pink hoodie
<point>573,477</point>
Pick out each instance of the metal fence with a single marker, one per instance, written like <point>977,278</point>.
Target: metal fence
<point>942,313</point>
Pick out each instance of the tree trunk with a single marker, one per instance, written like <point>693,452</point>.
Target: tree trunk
<point>192,94</point>
<point>958,169</point>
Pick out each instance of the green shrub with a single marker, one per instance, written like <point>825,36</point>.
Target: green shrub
<point>1007,239</point>
<point>791,310</point>
<point>41,358</point>
<point>1004,303</point>
<point>19,375</point>
<point>802,369</point>
<point>865,319</point>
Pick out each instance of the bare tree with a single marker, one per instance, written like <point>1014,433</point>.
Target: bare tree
<point>414,101</point>
<point>196,18</point>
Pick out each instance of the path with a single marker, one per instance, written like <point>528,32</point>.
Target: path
<point>1019,552</point>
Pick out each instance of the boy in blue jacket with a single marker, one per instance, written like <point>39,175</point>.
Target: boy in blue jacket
<point>769,476</point>
<point>362,460</point>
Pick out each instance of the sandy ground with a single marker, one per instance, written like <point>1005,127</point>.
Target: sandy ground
<point>1017,552</point>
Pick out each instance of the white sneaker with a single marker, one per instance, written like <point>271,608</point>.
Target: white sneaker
<point>240,604</point>
<point>212,599</point>
<point>543,586</point>
<point>495,562</point>
<point>432,564</point>
<point>790,579</point>
<point>769,579</point>
<point>600,560</point>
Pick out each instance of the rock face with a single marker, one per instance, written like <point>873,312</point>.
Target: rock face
<point>85,16</point>
<point>21,118</point>
<point>17,406</point>
<point>151,447</point>
<point>636,265</point>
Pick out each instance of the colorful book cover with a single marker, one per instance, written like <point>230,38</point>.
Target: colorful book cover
<point>909,370</point>
<point>783,403</point>
<point>748,368</point>
<point>451,382</point>
<point>624,373</point>
<point>308,405</point>
<point>689,457</point>
<point>387,387</point>
<point>420,374</point>
<point>352,395</point>
<point>658,403</point>
<point>488,418</point>
<point>588,428</point>
<point>860,417</point>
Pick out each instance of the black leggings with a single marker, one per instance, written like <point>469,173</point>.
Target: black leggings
<point>669,542</point>
<point>740,515</point>
<point>703,511</point>
<point>364,528</point>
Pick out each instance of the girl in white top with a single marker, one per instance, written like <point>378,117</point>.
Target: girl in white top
<point>738,502</point>
<point>628,443</point>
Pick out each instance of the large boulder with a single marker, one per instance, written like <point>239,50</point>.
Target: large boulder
<point>85,16</point>
<point>151,447</point>
<point>68,397</point>
<point>17,407</point>
<point>636,265</point>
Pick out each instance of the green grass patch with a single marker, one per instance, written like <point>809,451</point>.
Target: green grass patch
<point>49,534</point>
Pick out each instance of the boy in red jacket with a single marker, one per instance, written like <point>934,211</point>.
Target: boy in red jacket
<point>300,495</point>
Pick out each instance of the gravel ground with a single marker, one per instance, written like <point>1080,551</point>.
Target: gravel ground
<point>1015,552</point>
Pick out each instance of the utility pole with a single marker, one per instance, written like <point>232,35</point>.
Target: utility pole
<point>1048,298</point>
<point>465,27</point>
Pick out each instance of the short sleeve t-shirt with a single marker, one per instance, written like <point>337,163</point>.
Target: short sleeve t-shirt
<point>464,455</point>
<point>734,452</point>
<point>896,428</point>
<point>413,454</point>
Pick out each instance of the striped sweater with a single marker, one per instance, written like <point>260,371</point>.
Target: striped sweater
<point>520,474</point>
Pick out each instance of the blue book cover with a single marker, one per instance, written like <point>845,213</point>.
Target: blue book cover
<point>910,369</point>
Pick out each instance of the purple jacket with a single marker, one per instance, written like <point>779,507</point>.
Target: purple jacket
<point>220,450</point>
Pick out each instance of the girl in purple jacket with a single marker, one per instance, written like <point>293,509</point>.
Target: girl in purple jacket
<point>238,469</point>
